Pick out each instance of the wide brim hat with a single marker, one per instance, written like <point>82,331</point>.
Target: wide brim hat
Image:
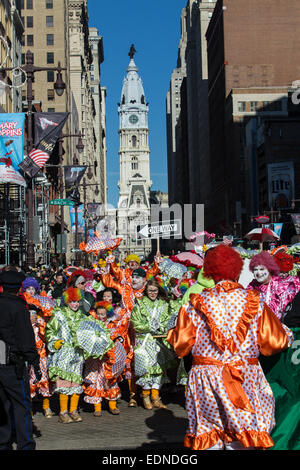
<point>11,279</point>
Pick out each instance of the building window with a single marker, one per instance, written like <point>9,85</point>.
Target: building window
<point>50,76</point>
<point>50,57</point>
<point>50,94</point>
<point>49,21</point>
<point>29,21</point>
<point>134,163</point>
<point>92,78</point>
<point>242,106</point>
<point>29,39</point>
<point>92,89</point>
<point>253,106</point>
<point>29,4</point>
<point>49,4</point>
<point>23,40</point>
<point>50,39</point>
<point>51,110</point>
<point>133,141</point>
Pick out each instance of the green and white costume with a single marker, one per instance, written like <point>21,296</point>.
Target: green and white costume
<point>153,356</point>
<point>67,362</point>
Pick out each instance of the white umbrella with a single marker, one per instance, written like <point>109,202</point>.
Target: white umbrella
<point>262,234</point>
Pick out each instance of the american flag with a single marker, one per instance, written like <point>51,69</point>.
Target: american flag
<point>39,157</point>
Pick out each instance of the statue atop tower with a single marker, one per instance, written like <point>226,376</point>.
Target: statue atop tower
<point>132,51</point>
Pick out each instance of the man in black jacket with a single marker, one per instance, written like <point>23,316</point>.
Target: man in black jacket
<point>17,347</point>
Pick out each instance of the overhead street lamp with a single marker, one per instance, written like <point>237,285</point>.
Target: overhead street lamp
<point>30,69</point>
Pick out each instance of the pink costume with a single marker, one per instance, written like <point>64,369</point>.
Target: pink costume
<point>228,398</point>
<point>278,293</point>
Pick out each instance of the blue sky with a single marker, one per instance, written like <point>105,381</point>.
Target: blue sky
<point>154,28</point>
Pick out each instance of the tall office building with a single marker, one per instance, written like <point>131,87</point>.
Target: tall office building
<point>247,75</point>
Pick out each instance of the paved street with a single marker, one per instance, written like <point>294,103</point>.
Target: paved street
<point>133,428</point>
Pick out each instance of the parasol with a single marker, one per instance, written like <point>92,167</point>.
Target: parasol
<point>97,243</point>
<point>192,259</point>
<point>262,235</point>
<point>172,269</point>
<point>262,219</point>
<point>93,338</point>
<point>201,238</point>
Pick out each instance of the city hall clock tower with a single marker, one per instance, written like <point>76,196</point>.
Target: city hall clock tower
<point>134,185</point>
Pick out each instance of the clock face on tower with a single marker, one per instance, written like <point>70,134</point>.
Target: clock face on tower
<point>133,119</point>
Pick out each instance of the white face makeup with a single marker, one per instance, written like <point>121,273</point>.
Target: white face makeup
<point>30,290</point>
<point>261,274</point>
<point>137,282</point>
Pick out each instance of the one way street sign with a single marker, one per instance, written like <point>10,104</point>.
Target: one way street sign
<point>160,229</point>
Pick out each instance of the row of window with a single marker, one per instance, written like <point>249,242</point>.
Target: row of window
<point>50,95</point>
<point>252,106</point>
<point>29,21</point>
<point>49,58</point>
<point>30,40</point>
<point>29,4</point>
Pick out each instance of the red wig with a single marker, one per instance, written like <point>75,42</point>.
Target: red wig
<point>265,259</point>
<point>222,262</point>
<point>284,261</point>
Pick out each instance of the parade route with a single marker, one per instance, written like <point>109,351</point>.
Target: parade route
<point>133,428</point>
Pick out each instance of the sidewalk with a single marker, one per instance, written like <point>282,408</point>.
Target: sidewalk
<point>133,428</point>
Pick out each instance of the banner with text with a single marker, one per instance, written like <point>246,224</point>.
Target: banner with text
<point>11,147</point>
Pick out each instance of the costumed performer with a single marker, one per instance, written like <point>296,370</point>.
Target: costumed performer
<point>66,360</point>
<point>149,318</point>
<point>98,377</point>
<point>44,386</point>
<point>78,280</point>
<point>229,401</point>
<point>274,289</point>
<point>133,262</point>
<point>124,329</point>
<point>130,291</point>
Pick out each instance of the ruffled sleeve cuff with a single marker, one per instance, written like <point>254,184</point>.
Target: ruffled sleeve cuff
<point>183,336</point>
<point>272,336</point>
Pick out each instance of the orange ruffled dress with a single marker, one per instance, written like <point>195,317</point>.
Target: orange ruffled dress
<point>228,398</point>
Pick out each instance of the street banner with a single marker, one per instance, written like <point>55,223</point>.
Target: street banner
<point>277,227</point>
<point>73,176</point>
<point>11,147</point>
<point>80,219</point>
<point>281,184</point>
<point>47,129</point>
<point>296,221</point>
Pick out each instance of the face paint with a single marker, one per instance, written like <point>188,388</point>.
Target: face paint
<point>30,290</point>
<point>261,274</point>
<point>74,305</point>
<point>137,282</point>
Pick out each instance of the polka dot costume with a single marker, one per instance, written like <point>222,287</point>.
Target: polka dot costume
<point>225,323</point>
